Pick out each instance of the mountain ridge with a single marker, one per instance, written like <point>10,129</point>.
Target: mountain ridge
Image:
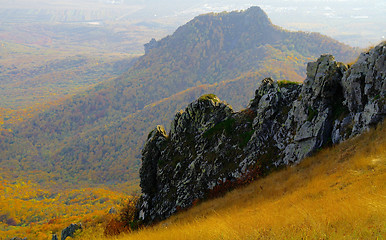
<point>211,148</point>
<point>78,134</point>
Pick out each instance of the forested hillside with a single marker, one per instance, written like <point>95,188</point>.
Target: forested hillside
<point>95,136</point>
<point>34,77</point>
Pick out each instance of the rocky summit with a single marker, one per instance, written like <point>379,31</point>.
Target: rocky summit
<point>210,146</point>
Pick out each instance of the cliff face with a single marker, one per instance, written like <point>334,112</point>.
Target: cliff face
<point>209,145</point>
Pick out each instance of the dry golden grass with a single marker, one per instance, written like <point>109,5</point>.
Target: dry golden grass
<point>340,193</point>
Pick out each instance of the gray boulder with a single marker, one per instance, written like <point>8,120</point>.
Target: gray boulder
<point>112,210</point>
<point>70,230</point>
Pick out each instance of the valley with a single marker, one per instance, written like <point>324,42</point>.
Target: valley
<point>79,94</point>
<point>85,134</point>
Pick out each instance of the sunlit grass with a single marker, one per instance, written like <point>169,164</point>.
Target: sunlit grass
<point>340,193</point>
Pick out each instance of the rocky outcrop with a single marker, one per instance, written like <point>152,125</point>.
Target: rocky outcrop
<point>150,45</point>
<point>172,161</point>
<point>309,122</point>
<point>364,89</point>
<point>70,230</point>
<point>112,210</point>
<point>209,146</point>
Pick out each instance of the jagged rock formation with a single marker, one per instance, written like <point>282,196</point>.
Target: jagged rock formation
<point>364,91</point>
<point>209,145</point>
<point>150,45</point>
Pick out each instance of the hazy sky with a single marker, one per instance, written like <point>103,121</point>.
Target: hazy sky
<point>357,22</point>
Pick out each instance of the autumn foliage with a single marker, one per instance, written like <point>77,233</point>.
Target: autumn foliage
<point>126,220</point>
<point>228,185</point>
<point>28,210</point>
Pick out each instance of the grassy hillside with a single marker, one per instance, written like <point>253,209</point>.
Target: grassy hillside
<point>339,193</point>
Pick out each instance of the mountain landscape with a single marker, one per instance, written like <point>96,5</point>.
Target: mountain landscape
<point>210,147</point>
<point>83,136</point>
<point>74,124</point>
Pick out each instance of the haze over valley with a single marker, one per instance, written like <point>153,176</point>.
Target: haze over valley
<point>85,86</point>
<point>33,33</point>
<point>357,23</point>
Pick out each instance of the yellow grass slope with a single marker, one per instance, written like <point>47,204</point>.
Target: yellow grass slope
<point>340,193</point>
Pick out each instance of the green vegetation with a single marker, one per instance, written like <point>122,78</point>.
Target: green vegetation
<point>339,110</point>
<point>284,83</point>
<point>235,128</point>
<point>312,113</point>
<point>245,137</point>
<point>227,125</point>
<point>209,96</point>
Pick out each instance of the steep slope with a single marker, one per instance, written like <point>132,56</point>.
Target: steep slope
<point>336,194</point>
<point>210,147</point>
<point>209,49</point>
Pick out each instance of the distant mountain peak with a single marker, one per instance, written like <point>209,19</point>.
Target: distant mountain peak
<point>230,25</point>
<point>257,13</point>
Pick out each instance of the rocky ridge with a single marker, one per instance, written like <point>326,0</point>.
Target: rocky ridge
<point>210,146</point>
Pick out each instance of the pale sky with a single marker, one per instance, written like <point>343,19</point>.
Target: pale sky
<point>356,22</point>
